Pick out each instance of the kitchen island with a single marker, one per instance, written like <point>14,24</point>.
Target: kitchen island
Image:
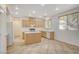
<point>32,37</point>
<point>49,34</point>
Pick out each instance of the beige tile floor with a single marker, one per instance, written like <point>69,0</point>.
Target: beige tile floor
<point>44,47</point>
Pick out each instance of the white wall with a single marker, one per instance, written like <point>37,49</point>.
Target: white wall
<point>3,34</point>
<point>71,37</point>
<point>6,37</point>
<point>10,33</point>
<point>17,28</point>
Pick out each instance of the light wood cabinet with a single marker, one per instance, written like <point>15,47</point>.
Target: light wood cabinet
<point>36,23</point>
<point>40,23</point>
<point>31,38</point>
<point>44,34</point>
<point>28,23</point>
<point>48,35</point>
<point>52,35</point>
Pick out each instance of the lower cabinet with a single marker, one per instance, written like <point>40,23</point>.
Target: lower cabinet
<point>44,34</point>
<point>48,35</point>
<point>52,35</point>
<point>31,38</point>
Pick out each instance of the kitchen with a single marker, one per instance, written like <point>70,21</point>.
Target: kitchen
<point>35,28</point>
<point>32,29</point>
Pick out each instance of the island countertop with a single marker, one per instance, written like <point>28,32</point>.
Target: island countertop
<point>32,32</point>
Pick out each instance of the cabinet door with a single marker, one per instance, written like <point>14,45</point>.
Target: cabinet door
<point>37,23</point>
<point>32,38</point>
<point>44,34</point>
<point>40,23</point>
<point>52,35</point>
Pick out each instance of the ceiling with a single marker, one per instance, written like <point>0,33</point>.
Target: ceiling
<point>37,10</point>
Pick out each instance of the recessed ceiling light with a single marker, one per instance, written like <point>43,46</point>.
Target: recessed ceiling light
<point>45,14</point>
<point>57,8</point>
<point>33,11</point>
<point>16,8</point>
<point>42,5</point>
<point>29,15</point>
<point>16,13</point>
<point>40,16</point>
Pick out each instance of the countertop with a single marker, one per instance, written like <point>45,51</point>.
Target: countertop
<point>48,30</point>
<point>38,30</point>
<point>32,32</point>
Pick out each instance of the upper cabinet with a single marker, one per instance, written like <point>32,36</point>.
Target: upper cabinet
<point>33,22</point>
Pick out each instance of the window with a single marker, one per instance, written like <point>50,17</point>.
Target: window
<point>63,23</point>
<point>48,24</point>
<point>69,22</point>
<point>72,22</point>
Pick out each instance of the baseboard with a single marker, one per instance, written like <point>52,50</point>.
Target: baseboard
<point>67,43</point>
